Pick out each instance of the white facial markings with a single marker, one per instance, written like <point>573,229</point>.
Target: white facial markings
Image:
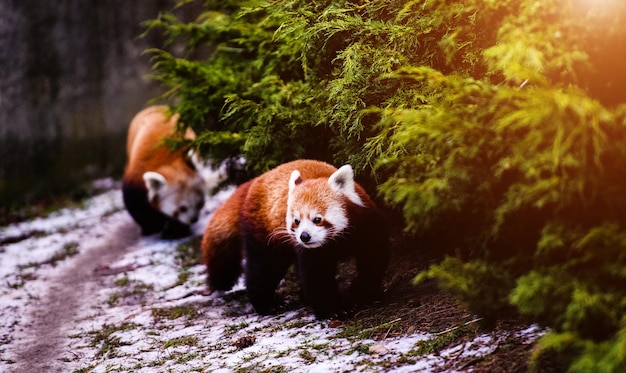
<point>180,201</point>
<point>289,218</point>
<point>312,228</point>
<point>336,216</point>
<point>168,203</point>
<point>190,205</point>
<point>308,225</point>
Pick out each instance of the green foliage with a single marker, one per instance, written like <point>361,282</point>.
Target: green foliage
<point>248,96</point>
<point>496,128</point>
<point>473,280</point>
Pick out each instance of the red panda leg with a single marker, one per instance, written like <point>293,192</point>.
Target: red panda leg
<point>366,286</point>
<point>265,267</point>
<point>316,271</point>
<point>371,255</point>
<point>222,244</point>
<point>173,229</point>
<point>223,261</point>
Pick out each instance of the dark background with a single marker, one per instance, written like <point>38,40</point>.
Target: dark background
<point>72,75</point>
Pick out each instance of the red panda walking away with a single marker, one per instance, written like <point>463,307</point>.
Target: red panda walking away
<point>162,190</point>
<point>307,212</point>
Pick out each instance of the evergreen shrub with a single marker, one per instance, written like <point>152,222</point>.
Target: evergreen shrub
<point>496,128</point>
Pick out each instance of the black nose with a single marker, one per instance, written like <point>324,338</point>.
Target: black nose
<point>305,237</point>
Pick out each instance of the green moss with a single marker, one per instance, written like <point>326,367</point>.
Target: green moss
<point>85,369</point>
<point>173,313</point>
<point>360,348</point>
<point>437,344</point>
<point>235,327</point>
<point>130,289</point>
<point>123,281</point>
<point>181,341</point>
<point>367,326</point>
<point>307,356</point>
<point>113,298</point>
<point>188,253</point>
<point>106,340</point>
<point>68,250</point>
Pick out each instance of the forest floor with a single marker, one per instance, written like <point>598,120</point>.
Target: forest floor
<point>82,291</point>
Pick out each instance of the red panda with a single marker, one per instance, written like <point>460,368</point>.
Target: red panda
<point>162,189</point>
<point>307,212</point>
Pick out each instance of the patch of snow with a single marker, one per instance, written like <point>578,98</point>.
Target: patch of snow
<point>69,218</point>
<point>212,202</point>
<point>119,326</point>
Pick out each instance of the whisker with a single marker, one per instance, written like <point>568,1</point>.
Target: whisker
<point>279,235</point>
<point>335,235</point>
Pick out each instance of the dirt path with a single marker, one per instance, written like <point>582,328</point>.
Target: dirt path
<point>42,339</point>
<point>82,291</point>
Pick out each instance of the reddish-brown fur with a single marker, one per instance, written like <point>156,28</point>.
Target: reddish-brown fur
<point>266,204</point>
<point>146,150</point>
<point>262,200</point>
<point>253,222</point>
<point>222,246</point>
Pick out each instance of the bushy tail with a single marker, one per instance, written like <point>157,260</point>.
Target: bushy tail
<point>222,244</point>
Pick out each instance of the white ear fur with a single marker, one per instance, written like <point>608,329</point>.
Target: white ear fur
<point>154,182</point>
<point>342,181</point>
<point>195,158</point>
<point>294,180</point>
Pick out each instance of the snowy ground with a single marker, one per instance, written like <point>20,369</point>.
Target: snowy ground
<point>81,291</point>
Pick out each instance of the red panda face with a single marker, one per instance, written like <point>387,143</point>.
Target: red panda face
<point>314,216</point>
<point>316,211</point>
<point>182,201</point>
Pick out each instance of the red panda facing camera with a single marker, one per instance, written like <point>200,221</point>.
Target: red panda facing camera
<point>162,189</point>
<point>307,212</point>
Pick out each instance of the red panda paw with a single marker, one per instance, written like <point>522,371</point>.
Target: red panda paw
<point>174,229</point>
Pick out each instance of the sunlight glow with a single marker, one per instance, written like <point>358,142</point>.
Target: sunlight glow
<point>598,8</point>
<point>597,3</point>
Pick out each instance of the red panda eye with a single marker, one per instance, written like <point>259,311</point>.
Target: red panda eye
<point>317,220</point>
<point>182,209</point>
<point>296,222</point>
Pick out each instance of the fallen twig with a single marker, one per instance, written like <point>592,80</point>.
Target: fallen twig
<point>458,326</point>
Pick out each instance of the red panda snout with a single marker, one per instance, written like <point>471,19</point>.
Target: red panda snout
<point>181,201</point>
<point>309,235</point>
<point>316,211</point>
<point>305,237</point>
<point>310,228</point>
<point>190,203</point>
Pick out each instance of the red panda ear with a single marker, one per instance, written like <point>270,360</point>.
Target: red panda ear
<point>154,183</point>
<point>294,180</point>
<point>342,181</point>
<point>194,160</point>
